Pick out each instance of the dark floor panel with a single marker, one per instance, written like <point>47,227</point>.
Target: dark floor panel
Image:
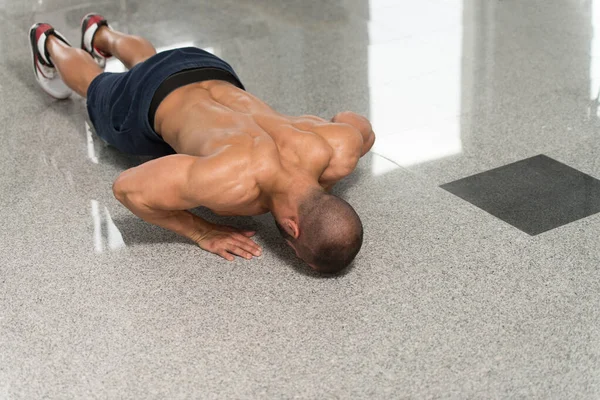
<point>534,195</point>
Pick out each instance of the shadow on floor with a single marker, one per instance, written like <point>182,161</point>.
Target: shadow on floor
<point>136,231</point>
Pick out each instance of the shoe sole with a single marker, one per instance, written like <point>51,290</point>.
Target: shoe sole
<point>33,45</point>
<point>84,22</point>
<point>33,42</point>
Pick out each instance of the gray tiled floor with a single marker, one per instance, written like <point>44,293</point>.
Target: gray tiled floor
<point>444,301</point>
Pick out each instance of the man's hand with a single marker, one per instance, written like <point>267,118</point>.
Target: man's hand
<point>227,241</point>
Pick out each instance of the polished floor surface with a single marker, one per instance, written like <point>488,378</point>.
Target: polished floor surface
<point>446,299</point>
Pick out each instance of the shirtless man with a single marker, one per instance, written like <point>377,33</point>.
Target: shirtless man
<point>218,146</point>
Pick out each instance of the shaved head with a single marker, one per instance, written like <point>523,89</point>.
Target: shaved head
<point>331,232</point>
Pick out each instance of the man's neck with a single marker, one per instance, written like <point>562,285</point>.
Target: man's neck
<point>287,191</point>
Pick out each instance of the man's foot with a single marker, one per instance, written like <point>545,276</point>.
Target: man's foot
<point>89,26</point>
<point>45,72</point>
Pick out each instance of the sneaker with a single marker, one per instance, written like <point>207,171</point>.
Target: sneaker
<point>45,72</point>
<point>89,26</point>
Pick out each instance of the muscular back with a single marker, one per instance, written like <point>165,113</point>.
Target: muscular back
<point>249,141</point>
<point>236,155</point>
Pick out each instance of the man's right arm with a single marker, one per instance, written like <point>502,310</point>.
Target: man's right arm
<point>161,191</point>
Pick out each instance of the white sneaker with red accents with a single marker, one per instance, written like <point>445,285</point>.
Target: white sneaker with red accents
<point>89,26</point>
<point>45,72</point>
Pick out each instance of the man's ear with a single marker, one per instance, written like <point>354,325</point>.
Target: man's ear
<point>291,227</point>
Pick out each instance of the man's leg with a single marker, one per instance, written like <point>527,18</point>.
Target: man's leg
<point>76,68</point>
<point>129,49</point>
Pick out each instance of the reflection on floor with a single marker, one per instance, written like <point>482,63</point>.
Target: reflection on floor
<point>445,300</point>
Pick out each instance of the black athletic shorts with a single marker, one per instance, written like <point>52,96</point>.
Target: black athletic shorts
<point>121,106</point>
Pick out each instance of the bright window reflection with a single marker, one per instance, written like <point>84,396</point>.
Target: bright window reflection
<point>381,165</point>
<point>91,151</point>
<point>415,66</point>
<point>106,234</point>
<point>595,56</point>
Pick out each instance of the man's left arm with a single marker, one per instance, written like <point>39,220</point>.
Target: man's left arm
<point>361,124</point>
<point>358,147</point>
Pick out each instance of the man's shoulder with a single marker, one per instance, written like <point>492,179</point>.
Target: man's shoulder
<point>228,176</point>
